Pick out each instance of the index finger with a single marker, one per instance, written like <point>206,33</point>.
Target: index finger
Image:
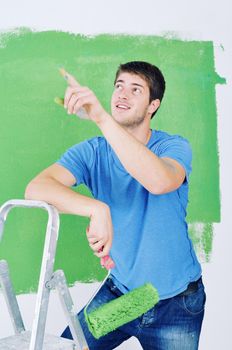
<point>69,78</point>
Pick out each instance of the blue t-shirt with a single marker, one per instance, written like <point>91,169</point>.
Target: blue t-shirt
<point>151,241</point>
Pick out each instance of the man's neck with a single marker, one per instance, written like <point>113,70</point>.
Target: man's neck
<point>142,133</point>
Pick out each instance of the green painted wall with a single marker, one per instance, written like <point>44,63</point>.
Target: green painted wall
<point>35,132</point>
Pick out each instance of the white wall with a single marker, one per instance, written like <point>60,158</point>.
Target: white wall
<point>200,20</point>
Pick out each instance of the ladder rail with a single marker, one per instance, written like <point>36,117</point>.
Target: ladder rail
<point>38,326</point>
<point>59,282</point>
<point>10,298</point>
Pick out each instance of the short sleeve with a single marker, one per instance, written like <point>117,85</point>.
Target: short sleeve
<point>179,149</point>
<point>78,160</point>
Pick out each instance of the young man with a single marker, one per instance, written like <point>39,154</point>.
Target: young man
<point>139,181</point>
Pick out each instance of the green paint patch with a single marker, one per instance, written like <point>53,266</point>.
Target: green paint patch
<point>202,237</point>
<point>35,132</point>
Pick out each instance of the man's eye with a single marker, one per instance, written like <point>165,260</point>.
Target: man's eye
<point>137,91</point>
<point>118,87</point>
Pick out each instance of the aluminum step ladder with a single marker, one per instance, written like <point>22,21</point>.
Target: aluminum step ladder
<point>37,339</point>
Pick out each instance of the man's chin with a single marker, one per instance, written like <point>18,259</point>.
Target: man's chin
<point>121,121</point>
<point>118,118</point>
<point>128,122</point>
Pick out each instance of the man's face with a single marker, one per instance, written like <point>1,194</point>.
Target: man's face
<point>130,100</point>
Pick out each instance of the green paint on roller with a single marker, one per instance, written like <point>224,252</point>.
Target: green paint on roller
<point>126,308</point>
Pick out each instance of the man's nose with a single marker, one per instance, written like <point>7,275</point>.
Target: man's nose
<point>123,94</point>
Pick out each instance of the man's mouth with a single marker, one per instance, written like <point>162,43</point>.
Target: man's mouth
<point>122,106</point>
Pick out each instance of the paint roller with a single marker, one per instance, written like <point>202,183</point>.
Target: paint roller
<point>126,308</point>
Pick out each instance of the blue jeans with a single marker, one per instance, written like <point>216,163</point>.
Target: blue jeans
<point>173,324</point>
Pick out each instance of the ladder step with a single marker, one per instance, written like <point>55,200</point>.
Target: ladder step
<point>22,342</point>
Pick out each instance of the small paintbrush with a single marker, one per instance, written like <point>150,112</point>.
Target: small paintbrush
<point>81,113</point>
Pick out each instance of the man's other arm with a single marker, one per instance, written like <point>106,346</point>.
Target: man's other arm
<point>53,184</point>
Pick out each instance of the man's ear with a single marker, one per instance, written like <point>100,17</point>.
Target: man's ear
<point>154,105</point>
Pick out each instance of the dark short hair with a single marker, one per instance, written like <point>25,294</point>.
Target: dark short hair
<point>150,73</point>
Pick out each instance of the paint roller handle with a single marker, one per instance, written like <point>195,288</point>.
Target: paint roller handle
<point>107,262</point>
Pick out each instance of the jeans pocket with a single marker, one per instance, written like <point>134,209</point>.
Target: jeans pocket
<point>114,290</point>
<point>194,303</point>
